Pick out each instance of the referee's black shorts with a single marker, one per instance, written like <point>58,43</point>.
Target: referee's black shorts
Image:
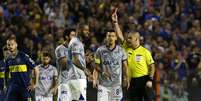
<point>138,90</point>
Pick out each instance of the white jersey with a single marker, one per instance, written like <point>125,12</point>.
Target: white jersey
<point>46,77</point>
<point>65,75</point>
<point>111,62</point>
<point>73,81</point>
<point>76,47</point>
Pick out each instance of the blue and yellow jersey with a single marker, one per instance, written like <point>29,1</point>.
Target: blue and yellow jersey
<point>20,69</point>
<point>2,73</point>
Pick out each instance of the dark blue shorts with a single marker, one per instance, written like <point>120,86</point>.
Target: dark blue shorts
<point>18,94</point>
<point>2,95</point>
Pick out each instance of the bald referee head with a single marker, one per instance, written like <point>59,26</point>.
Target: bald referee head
<point>133,39</point>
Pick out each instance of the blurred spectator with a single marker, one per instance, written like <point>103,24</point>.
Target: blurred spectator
<point>171,29</point>
<point>166,92</point>
<point>181,94</point>
<point>180,65</point>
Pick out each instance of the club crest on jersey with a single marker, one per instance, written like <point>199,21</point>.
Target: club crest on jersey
<point>2,68</point>
<point>18,60</point>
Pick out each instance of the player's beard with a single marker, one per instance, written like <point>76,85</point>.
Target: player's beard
<point>109,42</point>
<point>13,52</point>
<point>45,63</point>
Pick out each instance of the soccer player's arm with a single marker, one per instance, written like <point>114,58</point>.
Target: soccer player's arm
<point>151,65</point>
<point>36,74</point>
<point>55,78</point>
<point>97,68</point>
<point>7,76</point>
<point>116,25</point>
<point>126,78</point>
<point>55,83</point>
<point>75,59</point>
<point>35,70</point>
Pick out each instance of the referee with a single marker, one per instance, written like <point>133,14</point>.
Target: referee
<point>140,63</point>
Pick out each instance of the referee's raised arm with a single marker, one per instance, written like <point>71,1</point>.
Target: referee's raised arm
<point>117,28</point>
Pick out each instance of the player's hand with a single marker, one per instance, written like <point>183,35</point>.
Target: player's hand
<point>149,84</point>
<point>90,77</point>
<point>126,83</point>
<point>87,72</point>
<point>114,16</point>
<point>54,90</point>
<point>94,83</point>
<point>106,75</point>
<point>31,87</point>
<point>5,89</point>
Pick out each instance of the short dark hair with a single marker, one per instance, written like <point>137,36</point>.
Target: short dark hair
<point>67,31</point>
<point>109,30</point>
<point>12,37</point>
<point>46,54</point>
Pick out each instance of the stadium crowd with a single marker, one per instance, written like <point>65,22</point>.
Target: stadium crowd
<point>170,29</point>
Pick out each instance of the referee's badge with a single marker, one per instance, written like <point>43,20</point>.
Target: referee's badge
<point>138,58</point>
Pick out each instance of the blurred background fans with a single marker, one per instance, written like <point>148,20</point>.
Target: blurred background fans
<point>171,30</point>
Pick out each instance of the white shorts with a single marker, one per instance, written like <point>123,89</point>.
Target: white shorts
<point>109,93</point>
<point>72,90</point>
<point>44,98</point>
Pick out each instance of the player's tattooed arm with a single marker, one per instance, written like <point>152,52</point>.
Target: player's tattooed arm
<point>151,75</point>
<point>151,70</point>
<point>78,64</point>
<point>95,75</point>
<point>126,78</point>
<point>36,73</point>
<point>34,81</point>
<point>54,85</point>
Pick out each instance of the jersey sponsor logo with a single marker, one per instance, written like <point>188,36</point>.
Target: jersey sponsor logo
<point>18,68</point>
<point>110,62</point>
<point>45,78</point>
<point>2,74</point>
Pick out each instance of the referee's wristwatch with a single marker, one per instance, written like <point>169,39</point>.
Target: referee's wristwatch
<point>150,79</point>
